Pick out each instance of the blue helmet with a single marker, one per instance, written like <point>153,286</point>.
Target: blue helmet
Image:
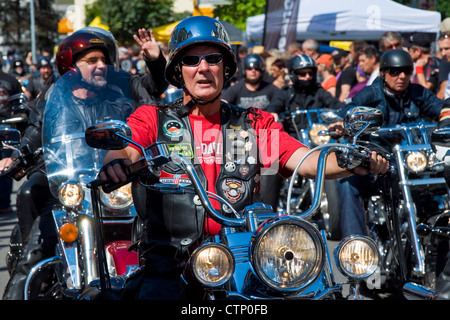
<point>198,30</point>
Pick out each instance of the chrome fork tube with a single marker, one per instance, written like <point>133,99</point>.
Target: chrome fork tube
<point>88,249</point>
<point>412,214</point>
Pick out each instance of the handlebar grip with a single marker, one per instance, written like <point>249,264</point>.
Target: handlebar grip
<point>351,158</point>
<point>15,168</point>
<point>132,171</point>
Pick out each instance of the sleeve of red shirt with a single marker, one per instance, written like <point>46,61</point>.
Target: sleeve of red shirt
<point>143,123</point>
<point>276,146</point>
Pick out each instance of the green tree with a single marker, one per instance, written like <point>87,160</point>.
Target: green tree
<point>239,10</point>
<point>443,6</point>
<point>124,18</point>
<point>15,24</point>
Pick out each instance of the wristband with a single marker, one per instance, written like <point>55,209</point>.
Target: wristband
<point>444,115</point>
<point>419,69</point>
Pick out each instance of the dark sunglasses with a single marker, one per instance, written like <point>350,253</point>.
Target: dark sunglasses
<point>397,71</point>
<point>211,59</point>
<point>304,73</point>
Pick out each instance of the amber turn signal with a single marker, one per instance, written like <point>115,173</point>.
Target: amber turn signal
<point>68,232</point>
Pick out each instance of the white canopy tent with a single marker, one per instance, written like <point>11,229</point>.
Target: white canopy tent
<point>350,20</point>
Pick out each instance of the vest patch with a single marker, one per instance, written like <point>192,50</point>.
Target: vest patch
<point>185,149</point>
<point>173,128</point>
<point>233,189</point>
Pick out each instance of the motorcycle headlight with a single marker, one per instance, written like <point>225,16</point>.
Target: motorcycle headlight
<point>314,134</point>
<point>287,253</point>
<point>71,194</point>
<point>120,198</point>
<point>212,264</point>
<point>416,161</point>
<point>357,257</point>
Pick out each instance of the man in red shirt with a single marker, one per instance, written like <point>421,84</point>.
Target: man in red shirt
<point>229,147</point>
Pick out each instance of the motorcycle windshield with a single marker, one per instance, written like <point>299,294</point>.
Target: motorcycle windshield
<point>72,105</point>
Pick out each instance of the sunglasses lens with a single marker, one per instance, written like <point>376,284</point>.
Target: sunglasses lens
<point>397,71</point>
<point>304,73</point>
<point>214,58</point>
<point>190,60</point>
<point>210,59</point>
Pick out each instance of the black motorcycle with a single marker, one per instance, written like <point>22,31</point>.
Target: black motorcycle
<point>410,200</point>
<point>437,229</point>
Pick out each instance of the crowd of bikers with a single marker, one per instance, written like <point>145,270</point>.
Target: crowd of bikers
<point>393,72</point>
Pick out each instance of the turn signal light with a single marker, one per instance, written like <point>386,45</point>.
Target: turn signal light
<point>68,232</point>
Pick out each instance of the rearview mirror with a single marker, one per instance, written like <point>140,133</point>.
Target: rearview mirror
<point>363,120</point>
<point>329,116</point>
<point>109,135</point>
<point>441,137</point>
<point>9,136</point>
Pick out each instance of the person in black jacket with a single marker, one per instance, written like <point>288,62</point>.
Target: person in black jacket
<point>304,93</point>
<point>8,86</point>
<point>401,102</point>
<point>89,48</point>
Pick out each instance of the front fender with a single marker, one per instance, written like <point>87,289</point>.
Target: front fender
<point>121,261</point>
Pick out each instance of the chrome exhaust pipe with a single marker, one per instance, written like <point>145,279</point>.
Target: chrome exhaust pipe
<point>414,291</point>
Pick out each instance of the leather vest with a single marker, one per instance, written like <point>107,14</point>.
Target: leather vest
<point>175,220</point>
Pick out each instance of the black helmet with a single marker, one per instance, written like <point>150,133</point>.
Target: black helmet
<point>198,30</point>
<point>396,58</point>
<point>19,64</point>
<point>255,61</point>
<point>298,62</point>
<point>83,40</point>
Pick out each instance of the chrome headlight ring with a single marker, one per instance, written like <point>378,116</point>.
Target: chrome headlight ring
<point>287,253</point>
<point>357,257</point>
<point>212,264</point>
<point>118,199</point>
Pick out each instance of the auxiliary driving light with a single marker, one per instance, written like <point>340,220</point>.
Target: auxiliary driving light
<point>416,161</point>
<point>357,257</point>
<point>71,194</point>
<point>314,134</point>
<point>212,264</point>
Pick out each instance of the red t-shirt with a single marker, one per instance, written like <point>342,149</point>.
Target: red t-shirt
<point>274,144</point>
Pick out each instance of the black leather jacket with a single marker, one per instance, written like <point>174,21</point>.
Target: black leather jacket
<point>311,97</point>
